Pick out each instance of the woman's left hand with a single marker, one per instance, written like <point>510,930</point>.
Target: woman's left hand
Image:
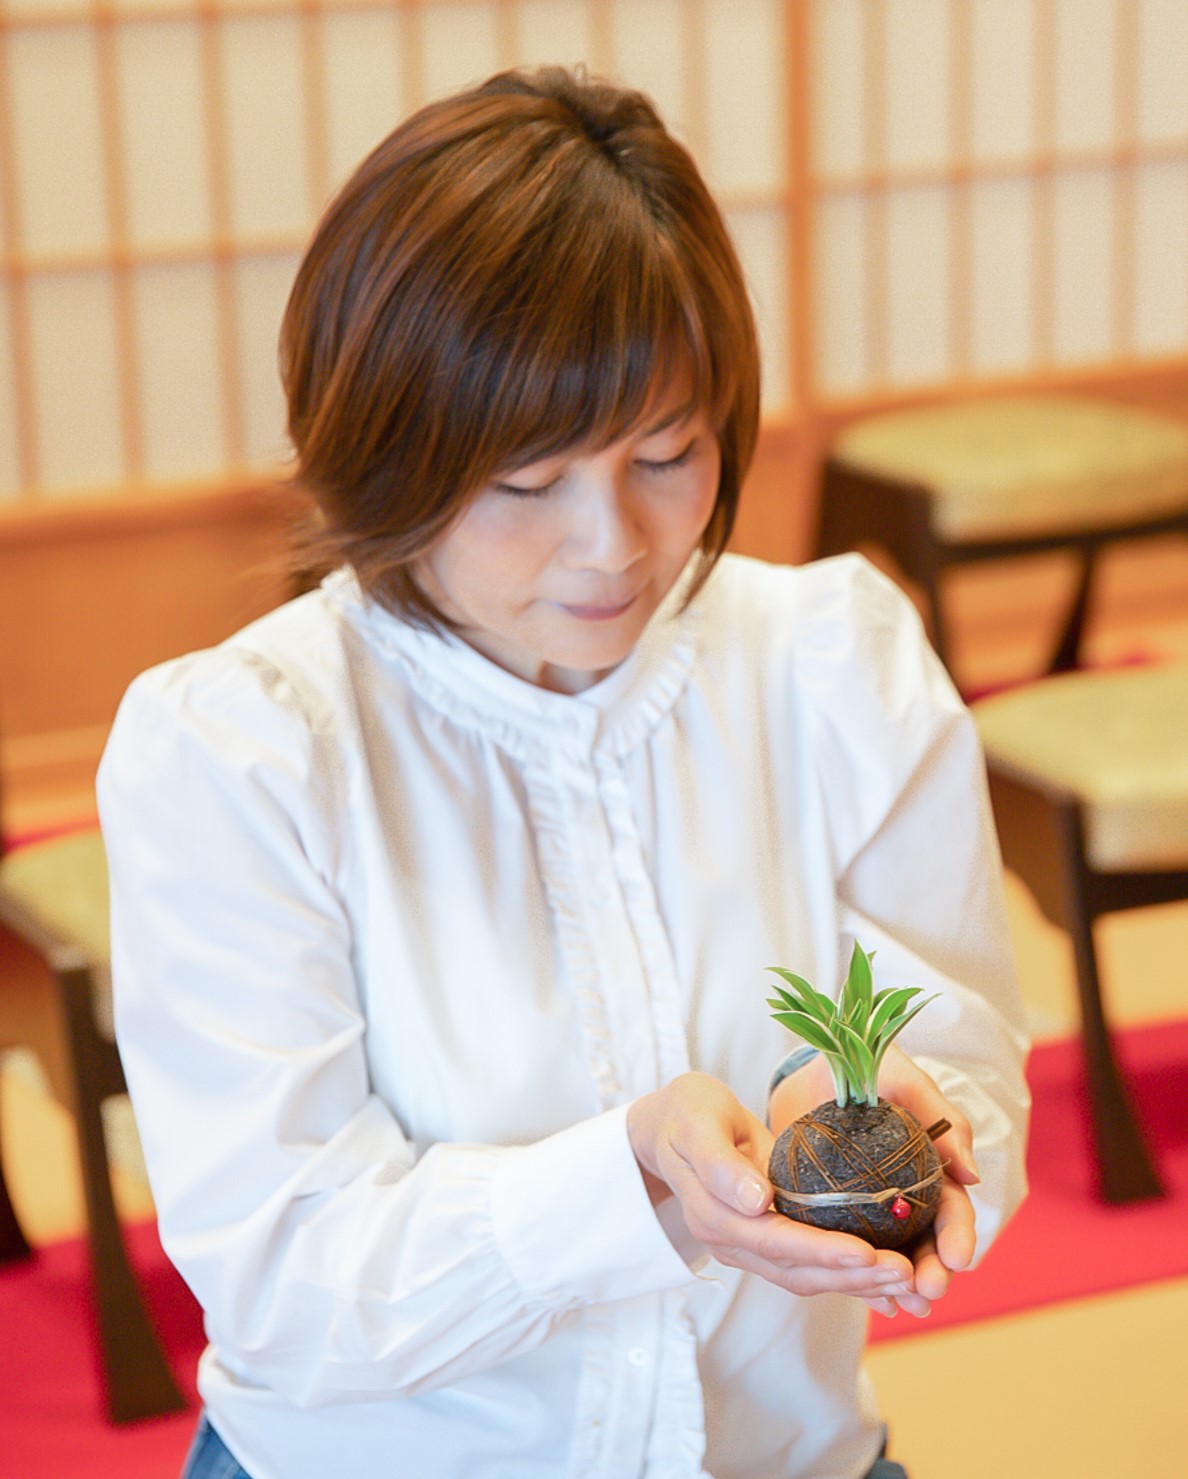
<point>948,1247</point>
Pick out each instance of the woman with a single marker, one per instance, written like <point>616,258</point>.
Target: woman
<point>442,896</point>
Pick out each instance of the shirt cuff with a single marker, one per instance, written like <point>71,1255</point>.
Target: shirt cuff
<point>574,1222</point>
<point>797,1058</point>
<point>787,1066</point>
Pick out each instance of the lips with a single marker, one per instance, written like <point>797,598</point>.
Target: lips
<point>603,612</point>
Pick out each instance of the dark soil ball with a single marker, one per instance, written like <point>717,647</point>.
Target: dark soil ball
<point>863,1148</point>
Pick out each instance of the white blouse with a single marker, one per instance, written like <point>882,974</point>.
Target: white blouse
<point>397,937</point>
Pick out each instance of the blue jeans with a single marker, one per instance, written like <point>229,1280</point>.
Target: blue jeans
<point>210,1458</point>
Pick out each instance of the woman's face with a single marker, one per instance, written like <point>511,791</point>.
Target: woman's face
<point>555,568</point>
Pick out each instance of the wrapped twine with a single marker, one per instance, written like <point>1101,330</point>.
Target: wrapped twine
<point>787,1200</point>
<point>827,1176</point>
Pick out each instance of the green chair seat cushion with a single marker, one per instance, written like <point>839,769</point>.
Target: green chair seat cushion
<point>1027,465</point>
<point>60,887</point>
<point>1117,742</point>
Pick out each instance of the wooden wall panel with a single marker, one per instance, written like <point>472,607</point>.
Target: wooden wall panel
<point>92,595</point>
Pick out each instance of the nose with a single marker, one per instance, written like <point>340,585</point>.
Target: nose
<point>608,535</point>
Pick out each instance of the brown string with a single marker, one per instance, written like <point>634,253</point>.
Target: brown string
<point>857,1198</point>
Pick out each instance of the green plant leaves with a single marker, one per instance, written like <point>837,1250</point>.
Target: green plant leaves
<point>815,1002</point>
<point>857,995</point>
<point>854,1032</point>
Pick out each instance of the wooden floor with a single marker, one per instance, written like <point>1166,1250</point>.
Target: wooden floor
<point>1085,1390</point>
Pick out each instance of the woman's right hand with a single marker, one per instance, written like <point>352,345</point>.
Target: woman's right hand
<point>693,1140</point>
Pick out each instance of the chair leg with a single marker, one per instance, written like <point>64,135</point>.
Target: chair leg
<point>1067,653</point>
<point>137,1379</point>
<point>13,1243</point>
<point>1126,1170</point>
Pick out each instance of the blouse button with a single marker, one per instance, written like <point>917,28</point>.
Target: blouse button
<point>638,1356</point>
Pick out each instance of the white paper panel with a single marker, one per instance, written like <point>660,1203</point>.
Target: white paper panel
<point>841,324</point>
<point>918,285</point>
<point>837,67</point>
<point>1161,258</point>
<point>1002,66</point>
<point>165,154</point>
<point>760,237</point>
<point>744,95</point>
<point>646,42</point>
<point>917,82</point>
<point>364,98</point>
<point>57,137</point>
<point>553,32</point>
<point>1085,80</point>
<point>177,338</point>
<point>1084,258</point>
<point>72,328</point>
<point>10,472</point>
<point>132,7</point>
<point>266,125</point>
<point>1002,228</point>
<point>1163,69</point>
<point>31,9</point>
<point>461,45</point>
<point>262,288</point>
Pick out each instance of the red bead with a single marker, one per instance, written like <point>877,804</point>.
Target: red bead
<point>901,1209</point>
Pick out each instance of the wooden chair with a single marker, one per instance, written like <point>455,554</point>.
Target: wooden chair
<point>1089,782</point>
<point>997,478</point>
<point>53,898</point>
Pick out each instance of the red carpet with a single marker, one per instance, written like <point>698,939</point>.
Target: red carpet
<point>51,1424</point>
<point>1063,1245</point>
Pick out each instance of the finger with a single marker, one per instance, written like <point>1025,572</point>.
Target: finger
<point>783,1240</point>
<point>955,1147</point>
<point>905,1082</point>
<point>777,1246</point>
<point>809,1280</point>
<point>955,1228</point>
<point>702,1157</point>
<point>915,1304</point>
<point>932,1277</point>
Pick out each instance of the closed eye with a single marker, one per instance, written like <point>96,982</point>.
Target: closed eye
<point>516,490</point>
<point>669,464</point>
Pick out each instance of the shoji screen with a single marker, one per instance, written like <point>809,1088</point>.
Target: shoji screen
<point>1000,188</point>
<point>163,161</point>
<point>928,194</point>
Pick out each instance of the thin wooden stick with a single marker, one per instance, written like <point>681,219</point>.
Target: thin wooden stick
<point>1126,85</point>
<point>874,149</point>
<point>1043,264</point>
<point>28,460</point>
<point>222,247</point>
<point>129,380</point>
<point>313,81</point>
<point>960,224</point>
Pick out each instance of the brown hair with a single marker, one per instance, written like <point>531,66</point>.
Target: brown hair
<point>510,274</point>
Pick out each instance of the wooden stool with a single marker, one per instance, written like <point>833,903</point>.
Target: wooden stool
<point>53,897</point>
<point>991,479</point>
<point>1089,781</point>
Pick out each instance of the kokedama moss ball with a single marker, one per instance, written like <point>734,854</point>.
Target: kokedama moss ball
<point>863,1149</point>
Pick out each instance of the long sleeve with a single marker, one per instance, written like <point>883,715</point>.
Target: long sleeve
<point>334,1257</point>
<point>920,878</point>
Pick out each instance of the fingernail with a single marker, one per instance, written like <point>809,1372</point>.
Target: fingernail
<point>752,1194</point>
<point>854,1260</point>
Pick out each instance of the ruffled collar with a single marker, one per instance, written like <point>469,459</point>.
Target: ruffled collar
<point>612,716</point>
